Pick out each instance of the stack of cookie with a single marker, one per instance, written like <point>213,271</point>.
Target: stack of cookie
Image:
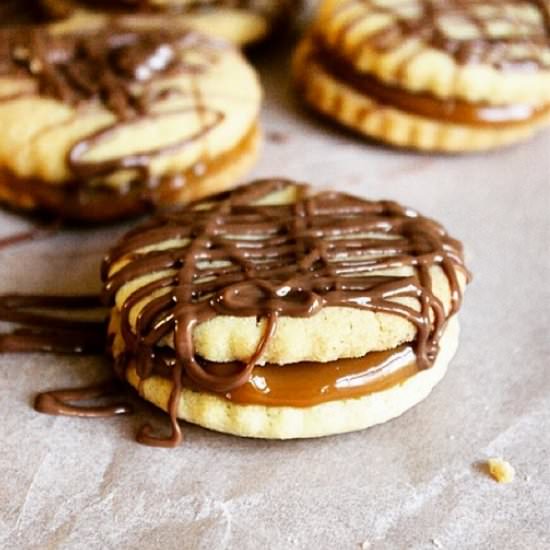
<point>269,312</point>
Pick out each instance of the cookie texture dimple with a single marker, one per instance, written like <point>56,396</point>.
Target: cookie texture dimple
<point>376,118</point>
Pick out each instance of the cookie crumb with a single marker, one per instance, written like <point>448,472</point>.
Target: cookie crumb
<point>501,470</point>
<point>436,543</point>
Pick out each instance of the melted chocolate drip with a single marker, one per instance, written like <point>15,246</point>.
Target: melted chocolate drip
<point>60,402</point>
<point>242,259</point>
<point>424,24</point>
<point>145,435</point>
<point>43,332</point>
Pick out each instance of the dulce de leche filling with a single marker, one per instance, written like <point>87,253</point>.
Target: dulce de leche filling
<point>306,384</point>
<point>425,105</point>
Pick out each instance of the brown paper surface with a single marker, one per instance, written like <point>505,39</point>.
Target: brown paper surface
<point>414,483</point>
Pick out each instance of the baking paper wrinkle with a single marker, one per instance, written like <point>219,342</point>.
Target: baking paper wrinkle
<point>29,493</point>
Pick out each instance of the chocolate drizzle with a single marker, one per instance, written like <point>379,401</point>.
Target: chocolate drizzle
<point>233,257</point>
<point>121,68</point>
<point>43,331</point>
<point>113,66</point>
<point>60,402</point>
<point>423,20</point>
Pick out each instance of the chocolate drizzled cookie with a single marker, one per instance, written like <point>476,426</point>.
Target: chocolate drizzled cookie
<point>451,75</point>
<point>228,281</point>
<point>128,116</point>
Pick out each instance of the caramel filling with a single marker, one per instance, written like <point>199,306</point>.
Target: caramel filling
<point>81,202</point>
<point>452,110</point>
<point>308,383</point>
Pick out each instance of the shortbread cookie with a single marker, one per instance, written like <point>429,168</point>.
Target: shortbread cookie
<point>450,76</point>
<point>243,22</point>
<point>116,121</point>
<point>272,312</point>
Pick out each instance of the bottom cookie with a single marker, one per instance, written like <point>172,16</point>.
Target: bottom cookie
<point>88,204</point>
<point>381,113</point>
<point>290,422</point>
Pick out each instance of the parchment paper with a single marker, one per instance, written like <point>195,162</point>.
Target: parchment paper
<point>416,482</point>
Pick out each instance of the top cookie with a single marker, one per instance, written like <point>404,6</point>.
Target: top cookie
<point>270,273</point>
<point>242,22</point>
<point>493,51</point>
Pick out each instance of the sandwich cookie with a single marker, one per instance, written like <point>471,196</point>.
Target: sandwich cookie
<point>450,75</point>
<point>241,22</point>
<point>110,123</point>
<point>273,312</point>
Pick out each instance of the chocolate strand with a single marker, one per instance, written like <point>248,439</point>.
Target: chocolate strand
<point>43,332</point>
<point>59,402</point>
<point>145,435</point>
